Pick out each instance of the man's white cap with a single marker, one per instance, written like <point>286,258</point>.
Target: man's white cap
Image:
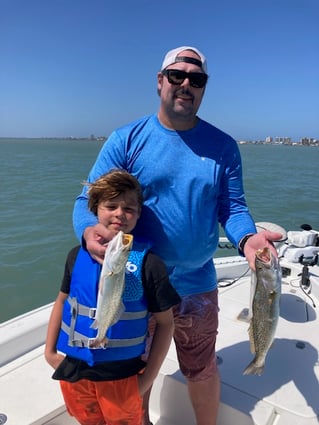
<point>173,56</point>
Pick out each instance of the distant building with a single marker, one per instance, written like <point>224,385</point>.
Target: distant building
<point>308,141</point>
<point>269,139</point>
<point>283,140</point>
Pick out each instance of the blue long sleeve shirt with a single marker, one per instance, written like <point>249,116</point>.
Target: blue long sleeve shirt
<point>191,180</point>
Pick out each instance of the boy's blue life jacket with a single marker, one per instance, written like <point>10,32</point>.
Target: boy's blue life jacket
<point>126,338</point>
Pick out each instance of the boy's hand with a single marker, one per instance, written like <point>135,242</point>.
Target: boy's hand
<point>54,359</point>
<point>144,384</point>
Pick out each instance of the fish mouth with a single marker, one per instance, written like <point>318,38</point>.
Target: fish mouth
<point>263,255</point>
<point>127,240</point>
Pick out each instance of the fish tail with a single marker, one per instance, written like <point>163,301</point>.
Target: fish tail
<point>254,369</point>
<point>99,343</point>
<point>95,324</point>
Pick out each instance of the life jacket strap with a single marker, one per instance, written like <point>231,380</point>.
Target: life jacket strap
<point>74,314</point>
<point>79,340</point>
<point>83,310</point>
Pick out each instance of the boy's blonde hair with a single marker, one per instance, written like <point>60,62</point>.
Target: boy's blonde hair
<point>111,185</point>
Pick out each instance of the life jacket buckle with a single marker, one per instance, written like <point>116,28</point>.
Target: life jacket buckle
<point>92,313</point>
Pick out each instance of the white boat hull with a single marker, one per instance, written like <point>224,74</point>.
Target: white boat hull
<point>286,394</point>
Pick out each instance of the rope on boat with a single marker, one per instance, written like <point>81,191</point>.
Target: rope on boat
<point>224,243</point>
<point>232,281</point>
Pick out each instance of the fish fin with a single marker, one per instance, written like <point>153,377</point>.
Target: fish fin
<point>99,343</point>
<point>253,369</point>
<point>95,324</point>
<point>270,287</point>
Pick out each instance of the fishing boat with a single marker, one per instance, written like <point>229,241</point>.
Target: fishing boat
<point>287,393</point>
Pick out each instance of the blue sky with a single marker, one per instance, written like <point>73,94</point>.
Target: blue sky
<point>82,67</point>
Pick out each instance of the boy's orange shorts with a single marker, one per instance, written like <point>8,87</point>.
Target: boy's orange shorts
<point>105,402</point>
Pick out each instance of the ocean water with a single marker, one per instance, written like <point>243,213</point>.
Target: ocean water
<point>41,178</point>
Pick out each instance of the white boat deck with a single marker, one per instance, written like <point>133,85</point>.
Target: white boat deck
<point>287,393</point>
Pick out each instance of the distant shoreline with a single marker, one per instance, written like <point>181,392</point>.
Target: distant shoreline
<point>93,139</point>
<point>310,144</point>
<point>305,142</point>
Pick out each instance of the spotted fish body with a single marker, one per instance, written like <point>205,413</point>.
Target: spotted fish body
<point>111,287</point>
<point>265,296</point>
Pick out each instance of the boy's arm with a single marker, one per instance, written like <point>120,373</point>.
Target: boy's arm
<point>161,341</point>
<point>50,352</point>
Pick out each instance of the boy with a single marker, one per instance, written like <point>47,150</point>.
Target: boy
<point>110,388</point>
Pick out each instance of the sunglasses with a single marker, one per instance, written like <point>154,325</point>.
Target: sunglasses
<point>177,77</point>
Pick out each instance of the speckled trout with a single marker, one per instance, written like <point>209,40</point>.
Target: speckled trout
<point>265,296</point>
<point>111,287</point>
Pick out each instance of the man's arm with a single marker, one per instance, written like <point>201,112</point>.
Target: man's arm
<point>82,216</point>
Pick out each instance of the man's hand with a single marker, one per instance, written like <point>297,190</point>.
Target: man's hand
<point>260,240</point>
<point>96,238</point>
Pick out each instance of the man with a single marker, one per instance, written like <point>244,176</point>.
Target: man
<point>191,176</point>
